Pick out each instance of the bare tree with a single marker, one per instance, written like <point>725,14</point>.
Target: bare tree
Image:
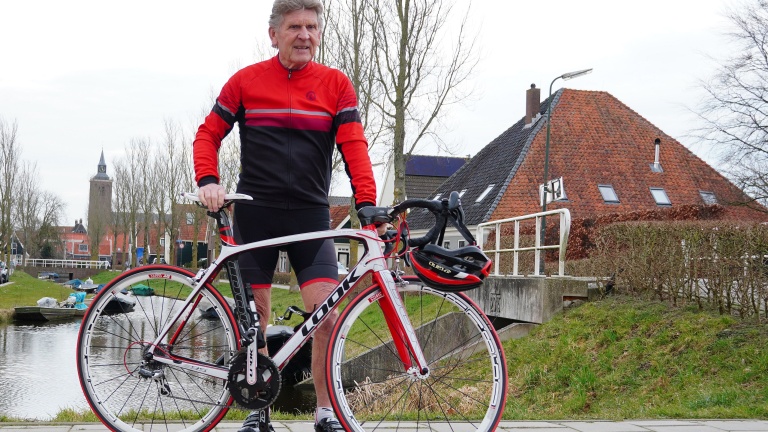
<point>420,73</point>
<point>28,205</point>
<point>349,44</point>
<point>9,167</point>
<point>120,214</point>
<point>173,163</point>
<point>735,110</point>
<point>37,213</point>
<point>131,193</point>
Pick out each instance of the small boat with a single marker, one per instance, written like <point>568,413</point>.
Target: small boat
<point>122,303</point>
<point>142,290</point>
<point>73,283</point>
<point>86,287</point>
<point>37,313</point>
<point>48,309</point>
<point>207,311</point>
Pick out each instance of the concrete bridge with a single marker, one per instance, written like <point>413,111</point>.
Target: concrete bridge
<point>530,300</point>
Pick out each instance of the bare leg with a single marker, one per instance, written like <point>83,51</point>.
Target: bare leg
<point>313,295</point>
<point>263,299</point>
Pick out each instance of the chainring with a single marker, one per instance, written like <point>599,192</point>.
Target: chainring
<point>260,395</point>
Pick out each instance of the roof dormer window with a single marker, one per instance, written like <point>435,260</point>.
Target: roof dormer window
<point>660,196</point>
<point>485,193</point>
<point>609,195</point>
<point>708,197</point>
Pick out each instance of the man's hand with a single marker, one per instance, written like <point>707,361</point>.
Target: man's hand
<point>382,229</point>
<point>212,196</point>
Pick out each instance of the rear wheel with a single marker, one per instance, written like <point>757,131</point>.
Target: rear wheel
<point>467,384</point>
<point>131,391</point>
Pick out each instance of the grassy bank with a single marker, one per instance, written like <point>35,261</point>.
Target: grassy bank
<point>26,290</point>
<point>616,358</point>
<point>625,357</point>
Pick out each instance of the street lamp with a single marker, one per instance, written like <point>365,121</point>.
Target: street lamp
<point>566,76</point>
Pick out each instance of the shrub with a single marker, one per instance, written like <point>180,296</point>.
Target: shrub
<point>718,264</point>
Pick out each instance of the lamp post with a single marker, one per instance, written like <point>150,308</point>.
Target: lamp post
<point>566,76</point>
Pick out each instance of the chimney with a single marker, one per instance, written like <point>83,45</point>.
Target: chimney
<point>656,165</point>
<point>532,103</point>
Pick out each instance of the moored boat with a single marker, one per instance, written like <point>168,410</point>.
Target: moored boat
<point>38,313</point>
<point>142,290</point>
<point>121,303</point>
<point>48,309</point>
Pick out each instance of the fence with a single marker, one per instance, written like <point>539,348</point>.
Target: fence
<point>537,248</point>
<point>60,263</point>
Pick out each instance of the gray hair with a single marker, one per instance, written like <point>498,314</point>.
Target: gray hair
<point>282,7</point>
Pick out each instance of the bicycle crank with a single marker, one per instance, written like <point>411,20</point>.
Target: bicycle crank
<point>264,392</point>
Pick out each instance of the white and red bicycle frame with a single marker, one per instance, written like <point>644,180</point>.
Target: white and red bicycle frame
<point>372,262</point>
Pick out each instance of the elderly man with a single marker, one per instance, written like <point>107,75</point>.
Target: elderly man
<point>291,112</point>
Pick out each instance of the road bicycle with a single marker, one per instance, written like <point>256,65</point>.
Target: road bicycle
<point>399,351</point>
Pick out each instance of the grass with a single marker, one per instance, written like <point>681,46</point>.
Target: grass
<point>625,357</point>
<point>616,358</point>
<point>26,290</point>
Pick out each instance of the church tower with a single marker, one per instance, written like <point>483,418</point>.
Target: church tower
<point>100,197</point>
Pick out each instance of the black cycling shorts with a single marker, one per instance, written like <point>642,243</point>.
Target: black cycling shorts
<point>311,260</point>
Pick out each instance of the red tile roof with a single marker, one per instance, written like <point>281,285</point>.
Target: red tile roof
<point>338,214</point>
<point>596,139</point>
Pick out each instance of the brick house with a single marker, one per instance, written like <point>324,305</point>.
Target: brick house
<point>611,160</point>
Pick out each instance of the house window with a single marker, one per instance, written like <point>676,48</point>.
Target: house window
<point>162,241</point>
<point>82,247</point>
<point>708,197</point>
<point>660,196</point>
<point>485,193</point>
<point>462,243</point>
<point>447,244</point>
<point>190,218</point>
<point>609,195</point>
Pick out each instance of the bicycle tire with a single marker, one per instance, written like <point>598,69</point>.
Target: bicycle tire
<point>370,390</point>
<point>129,394</point>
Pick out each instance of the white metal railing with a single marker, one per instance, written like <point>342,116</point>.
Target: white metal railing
<point>538,248</point>
<point>61,263</point>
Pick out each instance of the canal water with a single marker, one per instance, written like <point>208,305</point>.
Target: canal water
<point>37,370</point>
<point>38,376</point>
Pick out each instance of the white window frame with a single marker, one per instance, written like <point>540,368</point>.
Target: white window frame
<point>605,189</point>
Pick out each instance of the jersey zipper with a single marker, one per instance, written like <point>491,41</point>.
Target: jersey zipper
<point>290,137</point>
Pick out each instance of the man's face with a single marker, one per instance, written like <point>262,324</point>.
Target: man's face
<point>297,38</point>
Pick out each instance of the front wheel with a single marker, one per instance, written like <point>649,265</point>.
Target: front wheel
<point>370,390</point>
<point>127,388</point>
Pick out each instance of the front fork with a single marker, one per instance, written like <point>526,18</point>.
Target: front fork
<point>403,333</point>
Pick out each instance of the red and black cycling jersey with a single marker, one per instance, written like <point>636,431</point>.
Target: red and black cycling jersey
<point>289,121</point>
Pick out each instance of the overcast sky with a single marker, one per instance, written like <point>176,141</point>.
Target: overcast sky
<point>79,77</point>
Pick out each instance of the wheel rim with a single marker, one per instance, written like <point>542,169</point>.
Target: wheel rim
<point>467,381</point>
<point>130,393</point>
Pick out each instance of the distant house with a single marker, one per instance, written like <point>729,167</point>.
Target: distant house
<point>423,174</point>
<point>611,160</point>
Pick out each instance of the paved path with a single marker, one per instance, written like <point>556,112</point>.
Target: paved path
<point>506,426</point>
